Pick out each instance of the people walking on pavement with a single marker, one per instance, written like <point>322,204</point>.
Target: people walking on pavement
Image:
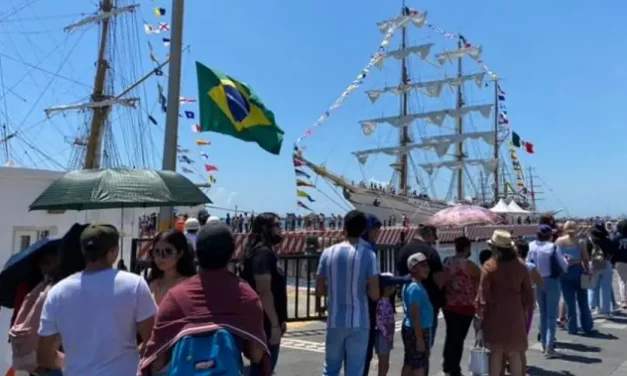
<point>262,271</point>
<point>385,327</point>
<point>460,289</point>
<point>209,303</point>
<point>620,260</point>
<point>386,280</point>
<point>423,243</point>
<point>600,249</point>
<point>551,265</point>
<point>348,275</point>
<point>172,261</point>
<point>575,297</point>
<point>504,292</point>
<point>416,329</point>
<point>78,308</point>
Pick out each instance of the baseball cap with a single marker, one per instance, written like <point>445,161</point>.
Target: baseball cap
<point>192,224</point>
<point>215,239</point>
<point>415,259</point>
<point>545,230</point>
<point>99,237</point>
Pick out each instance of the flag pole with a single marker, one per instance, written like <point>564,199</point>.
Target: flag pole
<point>174,94</point>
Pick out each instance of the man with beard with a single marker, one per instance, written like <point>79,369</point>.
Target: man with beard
<point>262,272</point>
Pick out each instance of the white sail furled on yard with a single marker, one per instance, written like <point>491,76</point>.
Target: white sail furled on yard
<point>449,56</point>
<point>433,117</point>
<point>500,207</point>
<point>488,165</point>
<point>414,18</point>
<point>422,51</point>
<point>432,89</point>
<point>439,144</point>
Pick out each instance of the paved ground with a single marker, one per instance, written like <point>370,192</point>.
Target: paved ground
<point>302,352</point>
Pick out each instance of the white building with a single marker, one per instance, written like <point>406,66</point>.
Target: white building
<point>19,228</point>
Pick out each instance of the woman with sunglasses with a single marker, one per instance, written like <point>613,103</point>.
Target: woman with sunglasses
<point>172,262</point>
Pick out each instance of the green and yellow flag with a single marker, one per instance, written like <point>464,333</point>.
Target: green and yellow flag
<point>230,107</point>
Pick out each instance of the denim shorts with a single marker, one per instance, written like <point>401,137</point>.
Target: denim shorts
<point>414,359</point>
<point>381,345</point>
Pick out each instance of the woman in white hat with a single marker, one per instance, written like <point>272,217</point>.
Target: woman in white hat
<point>504,291</point>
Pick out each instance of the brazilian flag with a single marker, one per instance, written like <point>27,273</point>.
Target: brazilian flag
<point>230,107</point>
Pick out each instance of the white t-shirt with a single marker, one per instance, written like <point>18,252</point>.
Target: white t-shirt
<point>96,316</point>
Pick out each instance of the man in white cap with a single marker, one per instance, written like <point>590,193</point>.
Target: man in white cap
<point>191,230</point>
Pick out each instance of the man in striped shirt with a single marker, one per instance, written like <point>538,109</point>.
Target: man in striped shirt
<point>348,275</point>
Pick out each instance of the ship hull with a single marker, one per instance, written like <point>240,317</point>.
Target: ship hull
<point>417,210</point>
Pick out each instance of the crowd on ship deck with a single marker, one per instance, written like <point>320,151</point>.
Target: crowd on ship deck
<point>85,317</point>
<point>241,223</point>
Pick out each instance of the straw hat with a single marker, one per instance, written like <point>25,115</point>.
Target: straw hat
<point>501,239</point>
<point>570,227</point>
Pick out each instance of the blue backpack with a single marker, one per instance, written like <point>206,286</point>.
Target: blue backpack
<point>208,355</point>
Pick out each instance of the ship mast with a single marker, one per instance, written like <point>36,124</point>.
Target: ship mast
<point>99,118</point>
<point>496,140</point>
<point>460,129</point>
<point>101,103</point>
<point>404,131</point>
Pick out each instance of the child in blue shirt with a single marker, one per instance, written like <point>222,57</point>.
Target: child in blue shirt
<point>416,329</point>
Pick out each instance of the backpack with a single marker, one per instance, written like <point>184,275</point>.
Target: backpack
<point>206,355</point>
<point>597,256</point>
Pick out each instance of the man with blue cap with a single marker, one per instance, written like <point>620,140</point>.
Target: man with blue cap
<point>374,224</point>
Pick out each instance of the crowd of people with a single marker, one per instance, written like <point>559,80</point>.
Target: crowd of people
<point>242,223</point>
<point>85,317</point>
<point>515,277</point>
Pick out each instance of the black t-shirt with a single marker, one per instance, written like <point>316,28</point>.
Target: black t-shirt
<point>262,260</point>
<point>436,295</point>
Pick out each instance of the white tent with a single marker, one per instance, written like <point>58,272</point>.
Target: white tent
<point>514,208</point>
<point>501,207</point>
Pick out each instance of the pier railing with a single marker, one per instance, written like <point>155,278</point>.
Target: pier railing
<point>300,271</point>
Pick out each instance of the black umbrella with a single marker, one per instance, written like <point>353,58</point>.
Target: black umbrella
<point>119,188</point>
<point>22,267</point>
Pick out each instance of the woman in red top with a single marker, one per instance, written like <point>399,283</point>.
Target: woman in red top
<point>461,290</point>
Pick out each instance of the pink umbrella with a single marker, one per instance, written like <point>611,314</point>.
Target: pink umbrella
<point>465,215</point>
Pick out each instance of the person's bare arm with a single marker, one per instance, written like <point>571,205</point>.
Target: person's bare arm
<point>474,271</point>
<point>144,328</point>
<point>47,352</point>
<point>254,351</point>
<point>374,292</point>
<point>536,278</point>
<point>321,286</point>
<point>263,283</point>
<point>414,310</point>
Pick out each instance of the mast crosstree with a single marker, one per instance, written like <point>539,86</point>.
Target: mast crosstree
<point>439,144</point>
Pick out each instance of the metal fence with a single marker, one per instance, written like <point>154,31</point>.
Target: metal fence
<point>300,271</point>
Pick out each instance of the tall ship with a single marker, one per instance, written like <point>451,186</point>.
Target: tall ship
<point>442,130</point>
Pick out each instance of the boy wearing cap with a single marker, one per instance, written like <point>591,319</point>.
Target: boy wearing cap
<point>96,314</point>
<point>418,321</point>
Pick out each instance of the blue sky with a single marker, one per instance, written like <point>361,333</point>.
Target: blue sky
<point>561,64</point>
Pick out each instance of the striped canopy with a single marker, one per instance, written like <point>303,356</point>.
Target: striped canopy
<point>465,215</point>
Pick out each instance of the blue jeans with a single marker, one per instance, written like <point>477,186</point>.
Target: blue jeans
<point>256,369</point>
<point>548,300</point>
<point>576,298</point>
<point>602,291</point>
<point>348,346</point>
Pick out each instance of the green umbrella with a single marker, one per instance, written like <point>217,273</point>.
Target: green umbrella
<point>119,188</point>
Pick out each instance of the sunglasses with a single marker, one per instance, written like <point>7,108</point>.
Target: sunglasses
<point>163,252</point>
